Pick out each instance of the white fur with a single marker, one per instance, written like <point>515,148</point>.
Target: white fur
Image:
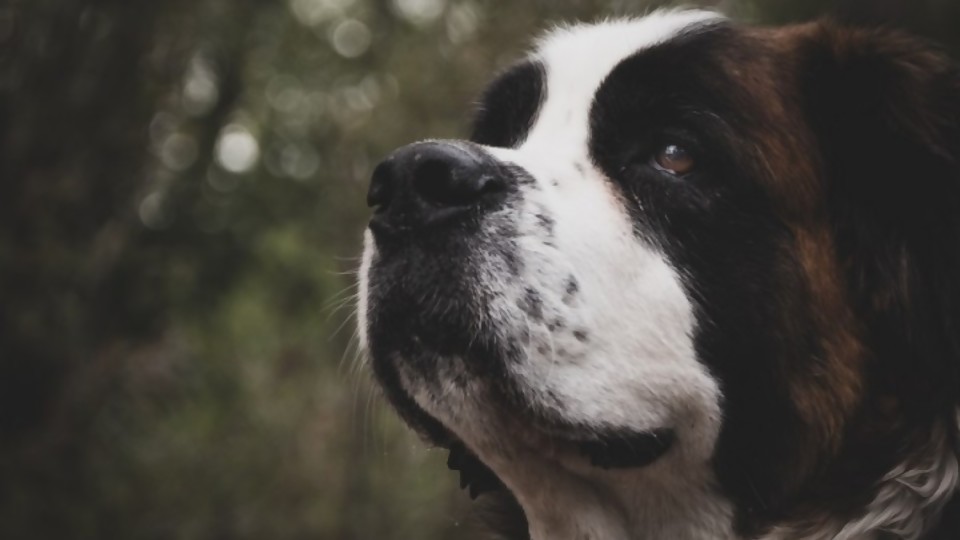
<point>908,501</point>
<point>363,290</point>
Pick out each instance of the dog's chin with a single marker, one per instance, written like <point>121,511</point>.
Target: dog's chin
<point>489,412</point>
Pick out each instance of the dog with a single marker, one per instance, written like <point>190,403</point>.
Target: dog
<point>686,280</point>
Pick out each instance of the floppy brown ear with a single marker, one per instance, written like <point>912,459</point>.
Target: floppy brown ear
<point>886,110</point>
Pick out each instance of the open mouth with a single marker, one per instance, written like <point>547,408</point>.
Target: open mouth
<point>627,450</point>
<point>619,451</point>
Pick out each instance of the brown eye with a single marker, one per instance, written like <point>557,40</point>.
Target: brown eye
<point>674,159</point>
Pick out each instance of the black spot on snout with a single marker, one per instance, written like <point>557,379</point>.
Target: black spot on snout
<point>532,304</point>
<point>571,290</point>
<point>546,222</point>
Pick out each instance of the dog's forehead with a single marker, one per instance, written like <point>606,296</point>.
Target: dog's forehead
<point>577,59</point>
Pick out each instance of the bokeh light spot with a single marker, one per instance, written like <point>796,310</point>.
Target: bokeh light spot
<point>237,149</point>
<point>351,38</point>
<point>201,87</point>
<point>462,22</point>
<point>419,12</point>
<point>299,162</point>
<point>178,151</point>
<point>154,211</point>
<point>315,12</point>
<point>284,93</point>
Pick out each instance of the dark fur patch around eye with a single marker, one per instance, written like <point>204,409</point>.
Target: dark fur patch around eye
<point>882,115</point>
<point>509,106</point>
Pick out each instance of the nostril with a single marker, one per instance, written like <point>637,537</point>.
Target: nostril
<point>381,186</point>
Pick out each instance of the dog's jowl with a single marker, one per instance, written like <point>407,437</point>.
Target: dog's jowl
<point>686,280</point>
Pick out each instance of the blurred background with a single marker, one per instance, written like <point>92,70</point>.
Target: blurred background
<point>181,208</point>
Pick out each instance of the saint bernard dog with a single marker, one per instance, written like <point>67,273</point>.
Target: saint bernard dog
<point>686,280</point>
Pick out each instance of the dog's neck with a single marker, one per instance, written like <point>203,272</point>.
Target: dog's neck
<point>908,504</point>
<point>583,511</point>
<point>917,500</point>
<point>665,500</point>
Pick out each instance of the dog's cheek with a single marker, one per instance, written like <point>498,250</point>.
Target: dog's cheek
<point>610,323</point>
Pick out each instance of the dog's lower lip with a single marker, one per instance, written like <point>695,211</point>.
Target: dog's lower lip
<point>627,450</point>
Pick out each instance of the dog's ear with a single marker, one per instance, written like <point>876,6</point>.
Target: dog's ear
<point>885,108</point>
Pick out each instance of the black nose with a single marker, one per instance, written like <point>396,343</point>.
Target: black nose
<point>431,182</point>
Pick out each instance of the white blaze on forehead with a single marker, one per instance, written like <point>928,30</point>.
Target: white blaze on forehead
<point>578,58</point>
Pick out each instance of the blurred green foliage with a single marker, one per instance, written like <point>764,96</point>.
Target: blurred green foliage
<point>181,209</point>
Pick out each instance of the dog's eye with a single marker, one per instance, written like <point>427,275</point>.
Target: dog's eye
<point>674,159</point>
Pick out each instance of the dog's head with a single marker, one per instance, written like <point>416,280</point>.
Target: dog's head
<point>685,280</point>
